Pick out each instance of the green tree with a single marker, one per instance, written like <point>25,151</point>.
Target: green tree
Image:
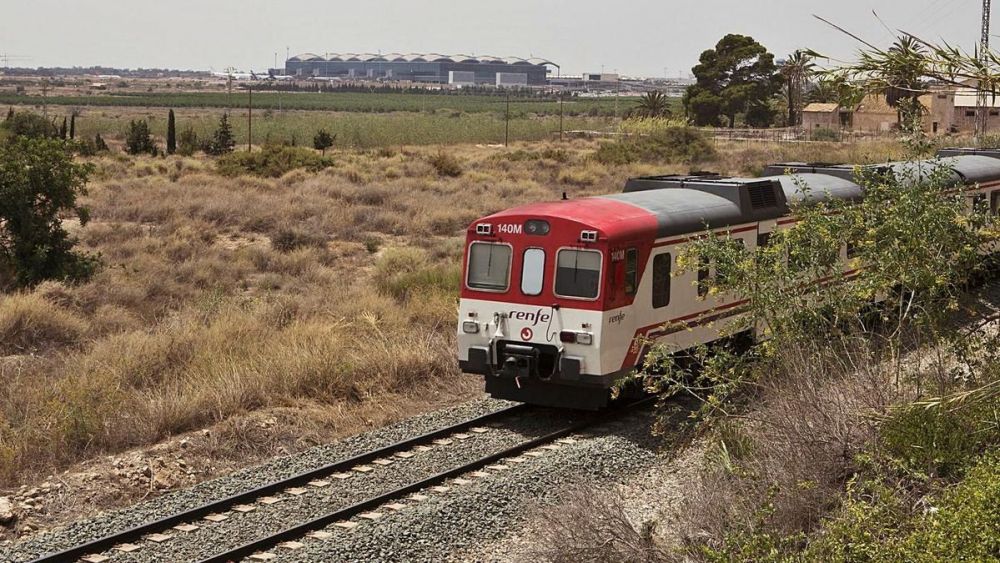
<point>323,140</point>
<point>39,184</point>
<point>796,70</point>
<point>171,133</point>
<point>652,104</point>
<point>72,126</point>
<point>64,130</point>
<point>222,140</point>
<point>31,125</point>
<point>99,144</point>
<point>138,139</point>
<point>10,113</point>
<point>737,77</point>
<point>187,142</point>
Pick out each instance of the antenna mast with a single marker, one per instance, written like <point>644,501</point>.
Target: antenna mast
<point>982,111</point>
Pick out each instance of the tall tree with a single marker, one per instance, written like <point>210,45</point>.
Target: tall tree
<point>171,133</point>
<point>652,104</point>
<point>10,113</point>
<point>737,77</point>
<point>796,70</point>
<point>137,138</point>
<point>72,125</point>
<point>222,140</point>
<point>63,129</point>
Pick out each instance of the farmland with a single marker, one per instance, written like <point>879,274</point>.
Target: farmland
<point>334,101</point>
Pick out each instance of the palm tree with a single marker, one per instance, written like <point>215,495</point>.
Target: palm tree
<point>796,70</point>
<point>902,76</point>
<point>653,104</point>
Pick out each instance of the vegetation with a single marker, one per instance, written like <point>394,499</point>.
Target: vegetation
<point>39,182</point>
<point>222,141</point>
<point>323,140</point>
<point>652,105</point>
<point>656,141</point>
<point>354,102</point>
<point>171,133</point>
<point>31,125</point>
<point>228,298</point>
<point>796,71</point>
<point>737,77</point>
<point>138,139</point>
<point>271,162</point>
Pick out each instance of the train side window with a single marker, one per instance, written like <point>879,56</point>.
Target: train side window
<point>631,271</point>
<point>533,271</point>
<point>852,250</point>
<point>661,280</point>
<point>763,240</point>
<point>737,244</point>
<point>995,202</point>
<point>703,275</point>
<point>978,202</point>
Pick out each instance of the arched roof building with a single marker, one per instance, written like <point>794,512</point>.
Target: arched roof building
<point>417,67</point>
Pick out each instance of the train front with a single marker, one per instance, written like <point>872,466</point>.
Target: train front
<point>535,303</point>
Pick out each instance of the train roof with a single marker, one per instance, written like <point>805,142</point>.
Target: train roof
<point>960,168</point>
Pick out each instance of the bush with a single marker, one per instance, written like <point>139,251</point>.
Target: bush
<point>138,139</point>
<point>446,164</point>
<point>824,134</point>
<point>187,142</point>
<point>287,240</point>
<point>30,125</point>
<point>323,140</point>
<point>33,244</point>
<point>272,162</point>
<point>675,144</point>
<point>29,322</point>
<point>222,141</point>
<point>404,272</point>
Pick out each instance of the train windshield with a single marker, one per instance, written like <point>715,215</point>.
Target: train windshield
<point>489,266</point>
<point>578,273</point>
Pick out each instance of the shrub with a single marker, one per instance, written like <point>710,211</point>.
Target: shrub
<point>272,162</point>
<point>679,144</point>
<point>404,272</point>
<point>287,240</point>
<point>936,442</point>
<point>187,142</point>
<point>29,322</point>
<point>824,134</point>
<point>138,139</point>
<point>323,140</point>
<point>222,141</point>
<point>33,244</point>
<point>31,125</point>
<point>446,164</point>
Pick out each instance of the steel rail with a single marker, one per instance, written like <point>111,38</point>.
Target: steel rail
<point>107,542</point>
<point>300,530</point>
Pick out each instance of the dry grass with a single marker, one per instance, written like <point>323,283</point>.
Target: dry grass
<point>221,296</point>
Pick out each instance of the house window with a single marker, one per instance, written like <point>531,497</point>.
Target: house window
<point>970,113</point>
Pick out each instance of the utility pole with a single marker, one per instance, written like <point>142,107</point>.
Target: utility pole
<point>560,113</point>
<point>982,109</point>
<point>506,133</point>
<point>250,120</point>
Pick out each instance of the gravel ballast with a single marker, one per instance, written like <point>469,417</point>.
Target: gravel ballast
<point>102,525</point>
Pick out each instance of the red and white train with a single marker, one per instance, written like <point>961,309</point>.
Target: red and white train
<point>562,299</point>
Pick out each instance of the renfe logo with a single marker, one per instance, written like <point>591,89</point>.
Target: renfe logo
<point>526,334</point>
<point>534,318</point>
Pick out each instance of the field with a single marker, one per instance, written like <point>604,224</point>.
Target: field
<point>334,101</point>
<point>274,313</point>
<point>353,130</point>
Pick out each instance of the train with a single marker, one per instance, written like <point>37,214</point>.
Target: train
<point>561,299</point>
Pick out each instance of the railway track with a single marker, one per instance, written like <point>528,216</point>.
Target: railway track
<point>257,549</point>
<point>154,530</point>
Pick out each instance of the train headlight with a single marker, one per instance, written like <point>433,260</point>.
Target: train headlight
<point>570,337</point>
<point>470,327</point>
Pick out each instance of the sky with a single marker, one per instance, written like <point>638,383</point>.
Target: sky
<point>632,37</point>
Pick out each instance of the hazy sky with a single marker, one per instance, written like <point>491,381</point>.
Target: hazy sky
<point>635,37</point>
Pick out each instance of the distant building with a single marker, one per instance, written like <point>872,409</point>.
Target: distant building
<point>821,116</point>
<point>944,112</point>
<point>419,68</point>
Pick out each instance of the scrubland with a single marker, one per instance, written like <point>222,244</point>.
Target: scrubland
<point>321,291</point>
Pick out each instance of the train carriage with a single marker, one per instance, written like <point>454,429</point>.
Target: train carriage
<point>560,299</point>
